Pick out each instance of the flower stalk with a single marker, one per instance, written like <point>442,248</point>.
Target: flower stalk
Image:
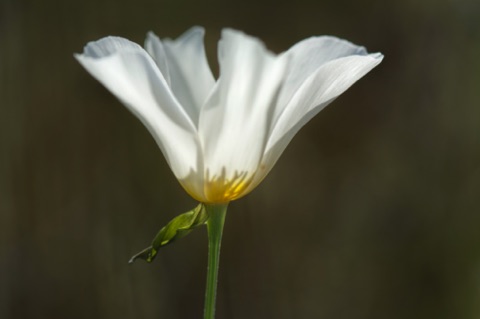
<point>215,224</point>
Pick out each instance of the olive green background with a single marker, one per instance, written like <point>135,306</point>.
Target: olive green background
<point>373,211</point>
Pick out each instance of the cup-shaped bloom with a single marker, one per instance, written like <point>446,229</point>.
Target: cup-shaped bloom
<point>222,136</point>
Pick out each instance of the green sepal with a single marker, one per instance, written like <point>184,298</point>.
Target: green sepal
<point>177,228</point>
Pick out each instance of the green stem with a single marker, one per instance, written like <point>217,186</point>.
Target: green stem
<point>215,223</point>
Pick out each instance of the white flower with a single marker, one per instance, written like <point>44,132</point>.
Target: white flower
<point>221,137</point>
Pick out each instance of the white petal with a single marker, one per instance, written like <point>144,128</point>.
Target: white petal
<point>130,74</point>
<point>306,57</point>
<point>316,92</point>
<point>109,46</point>
<point>155,48</point>
<point>234,123</point>
<point>185,65</point>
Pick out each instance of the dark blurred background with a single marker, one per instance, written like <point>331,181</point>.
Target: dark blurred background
<point>373,211</point>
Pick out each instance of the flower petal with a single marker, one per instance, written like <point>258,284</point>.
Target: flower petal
<point>131,75</point>
<point>322,86</point>
<point>306,57</point>
<point>155,48</point>
<point>184,60</point>
<point>234,122</point>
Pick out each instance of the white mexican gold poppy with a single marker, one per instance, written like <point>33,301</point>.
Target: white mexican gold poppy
<point>222,136</point>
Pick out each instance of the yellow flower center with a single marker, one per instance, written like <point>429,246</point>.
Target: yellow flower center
<point>220,189</point>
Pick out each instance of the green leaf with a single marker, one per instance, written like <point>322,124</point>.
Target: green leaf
<point>177,228</point>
